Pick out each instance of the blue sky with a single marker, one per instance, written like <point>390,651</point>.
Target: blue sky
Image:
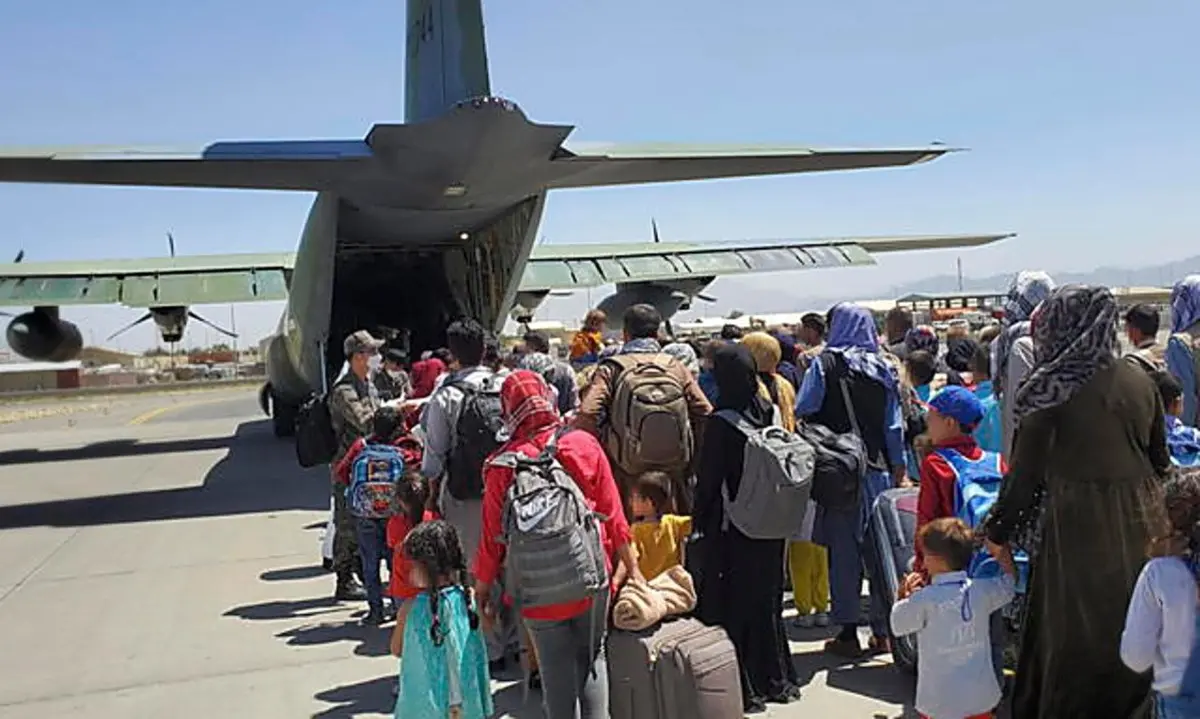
<point>1080,118</point>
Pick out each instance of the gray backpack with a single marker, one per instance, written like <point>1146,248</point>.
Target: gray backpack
<point>554,554</point>
<point>777,475</point>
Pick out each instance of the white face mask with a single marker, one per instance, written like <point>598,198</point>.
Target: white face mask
<point>375,363</point>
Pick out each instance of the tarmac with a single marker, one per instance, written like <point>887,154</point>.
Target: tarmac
<point>159,556</point>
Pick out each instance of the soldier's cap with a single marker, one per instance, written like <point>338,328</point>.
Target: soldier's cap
<point>360,341</point>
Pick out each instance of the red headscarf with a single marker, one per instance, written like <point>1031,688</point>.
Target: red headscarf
<point>424,374</point>
<point>527,404</point>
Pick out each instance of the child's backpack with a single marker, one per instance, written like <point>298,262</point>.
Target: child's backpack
<point>976,489</point>
<point>373,478</point>
<point>554,554</point>
<point>777,480</point>
<point>475,437</point>
<point>648,426</point>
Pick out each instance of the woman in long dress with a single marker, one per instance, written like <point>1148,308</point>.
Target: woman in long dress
<point>1082,495</point>
<point>741,579</point>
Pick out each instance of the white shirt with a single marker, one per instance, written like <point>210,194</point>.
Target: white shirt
<point>951,619</point>
<point>1161,622</point>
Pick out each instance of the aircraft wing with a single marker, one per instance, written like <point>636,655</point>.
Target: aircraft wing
<point>592,165</point>
<point>282,165</point>
<point>153,282</point>
<point>555,267</point>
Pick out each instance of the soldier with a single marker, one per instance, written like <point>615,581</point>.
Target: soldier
<point>393,381</point>
<point>352,404</point>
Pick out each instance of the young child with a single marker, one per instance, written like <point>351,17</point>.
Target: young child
<point>412,493</point>
<point>443,666</point>
<point>1182,441</point>
<point>989,433</point>
<point>921,368</point>
<point>952,416</point>
<point>951,616</point>
<point>808,565</point>
<point>1161,624</point>
<point>658,533</point>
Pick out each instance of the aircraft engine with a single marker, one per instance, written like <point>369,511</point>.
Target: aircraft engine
<point>41,336</point>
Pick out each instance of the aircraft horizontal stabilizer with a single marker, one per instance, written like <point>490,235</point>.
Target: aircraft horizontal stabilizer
<point>284,165</point>
<point>593,165</point>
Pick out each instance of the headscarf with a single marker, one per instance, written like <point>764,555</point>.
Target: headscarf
<point>766,352</point>
<point>527,405</point>
<point>1074,335</point>
<point>558,375</point>
<point>960,351</point>
<point>683,352</point>
<point>641,345</point>
<point>1028,290</point>
<point>424,375</point>
<point>737,384</point>
<point>922,337</point>
<point>1185,303</point>
<point>786,367</point>
<point>852,335</point>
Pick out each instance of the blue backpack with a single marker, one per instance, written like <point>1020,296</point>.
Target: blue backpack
<point>373,478</point>
<point>976,488</point>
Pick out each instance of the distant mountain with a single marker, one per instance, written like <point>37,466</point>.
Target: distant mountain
<point>1163,275</point>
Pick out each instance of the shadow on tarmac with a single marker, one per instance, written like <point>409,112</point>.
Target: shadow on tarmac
<point>258,474</point>
<point>292,574</point>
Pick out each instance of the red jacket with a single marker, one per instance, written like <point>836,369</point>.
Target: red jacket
<point>584,459</point>
<point>398,528</point>
<point>936,499</point>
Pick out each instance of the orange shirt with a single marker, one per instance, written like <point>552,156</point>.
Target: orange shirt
<point>586,343</point>
<point>398,528</point>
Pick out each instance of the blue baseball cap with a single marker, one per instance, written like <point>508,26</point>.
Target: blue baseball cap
<point>959,404</point>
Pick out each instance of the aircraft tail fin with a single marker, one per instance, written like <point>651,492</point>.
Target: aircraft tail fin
<point>446,59</point>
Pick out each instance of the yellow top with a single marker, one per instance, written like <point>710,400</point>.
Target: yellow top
<point>659,543</point>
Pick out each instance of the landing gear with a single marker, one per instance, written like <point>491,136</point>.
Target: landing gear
<point>283,417</point>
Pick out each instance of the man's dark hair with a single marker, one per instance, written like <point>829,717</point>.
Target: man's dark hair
<point>491,352</point>
<point>537,342</point>
<point>1144,318</point>
<point>731,333</point>
<point>1169,388</point>
<point>921,366</point>
<point>949,538</point>
<point>386,425</point>
<point>443,354</point>
<point>642,321</point>
<point>466,340</point>
<point>814,322</point>
<point>981,362</point>
<point>901,317</point>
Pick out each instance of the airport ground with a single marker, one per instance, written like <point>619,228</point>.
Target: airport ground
<point>159,556</point>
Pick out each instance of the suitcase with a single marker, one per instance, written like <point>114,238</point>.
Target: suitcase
<point>894,530</point>
<point>679,668</point>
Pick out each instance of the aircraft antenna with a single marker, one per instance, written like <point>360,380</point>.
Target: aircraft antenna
<point>171,244</point>
<point>20,256</point>
<point>654,229</point>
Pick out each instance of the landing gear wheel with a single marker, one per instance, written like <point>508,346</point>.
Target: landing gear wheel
<point>283,417</point>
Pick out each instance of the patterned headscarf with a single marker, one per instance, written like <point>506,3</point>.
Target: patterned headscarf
<point>1028,290</point>
<point>1185,303</point>
<point>1074,335</point>
<point>683,352</point>
<point>852,335</point>
<point>922,337</point>
<point>527,405</point>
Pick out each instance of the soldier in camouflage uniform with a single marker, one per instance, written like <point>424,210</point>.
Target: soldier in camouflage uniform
<point>393,381</point>
<point>353,400</point>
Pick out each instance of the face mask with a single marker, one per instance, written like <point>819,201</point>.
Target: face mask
<point>375,363</point>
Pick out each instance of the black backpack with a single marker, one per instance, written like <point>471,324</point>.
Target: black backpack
<point>316,442</point>
<point>841,459</point>
<point>479,421</point>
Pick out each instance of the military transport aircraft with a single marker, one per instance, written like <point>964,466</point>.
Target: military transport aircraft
<point>411,226</point>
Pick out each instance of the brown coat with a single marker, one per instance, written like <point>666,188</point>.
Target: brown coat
<point>1100,456</point>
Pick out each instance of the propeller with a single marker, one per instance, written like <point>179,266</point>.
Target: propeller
<point>20,256</point>
<point>130,326</point>
<point>171,244</point>
<point>654,229</point>
<point>203,321</point>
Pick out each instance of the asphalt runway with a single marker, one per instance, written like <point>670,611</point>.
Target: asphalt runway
<point>161,558</point>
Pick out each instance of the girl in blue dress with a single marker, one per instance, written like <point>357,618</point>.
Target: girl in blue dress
<point>443,665</point>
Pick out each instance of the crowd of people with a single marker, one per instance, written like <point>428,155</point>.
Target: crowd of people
<point>636,448</point>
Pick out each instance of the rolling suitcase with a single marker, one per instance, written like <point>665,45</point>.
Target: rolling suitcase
<point>679,668</point>
<point>894,529</point>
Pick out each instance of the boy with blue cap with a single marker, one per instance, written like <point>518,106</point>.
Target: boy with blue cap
<point>958,479</point>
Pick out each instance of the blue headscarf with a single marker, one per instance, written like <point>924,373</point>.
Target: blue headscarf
<point>1185,303</point>
<point>852,335</point>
